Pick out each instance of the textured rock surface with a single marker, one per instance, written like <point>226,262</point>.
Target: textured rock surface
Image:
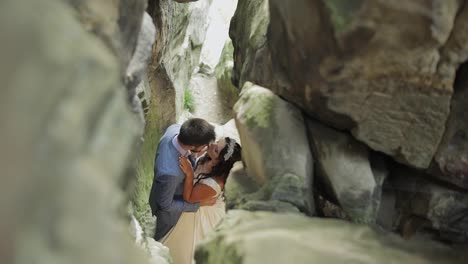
<point>451,160</point>
<point>116,22</point>
<point>252,61</point>
<point>388,215</point>
<point>455,52</point>
<point>137,67</point>
<point>369,73</point>
<point>217,34</point>
<point>242,192</point>
<point>67,140</point>
<point>350,66</point>
<point>136,78</point>
<point>157,253</point>
<point>275,146</point>
<point>343,166</point>
<point>428,206</point>
<point>239,186</point>
<point>264,237</point>
<point>181,30</point>
<point>223,73</point>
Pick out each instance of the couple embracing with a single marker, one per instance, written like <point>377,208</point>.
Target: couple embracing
<point>190,172</point>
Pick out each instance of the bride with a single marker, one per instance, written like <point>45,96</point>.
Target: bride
<point>205,183</point>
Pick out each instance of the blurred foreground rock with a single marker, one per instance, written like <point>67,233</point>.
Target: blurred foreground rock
<point>68,136</point>
<point>265,237</point>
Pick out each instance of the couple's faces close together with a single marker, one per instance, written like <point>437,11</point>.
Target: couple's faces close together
<point>213,149</point>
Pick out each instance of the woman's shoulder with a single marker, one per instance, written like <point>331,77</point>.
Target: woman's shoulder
<point>212,183</point>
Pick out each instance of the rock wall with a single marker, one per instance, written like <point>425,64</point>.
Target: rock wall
<point>439,211</point>
<point>223,74</point>
<point>68,133</point>
<point>272,133</point>
<point>451,160</point>
<point>252,59</point>
<point>377,73</point>
<point>347,65</point>
<point>344,166</point>
<point>181,31</point>
<point>381,85</point>
<point>136,78</point>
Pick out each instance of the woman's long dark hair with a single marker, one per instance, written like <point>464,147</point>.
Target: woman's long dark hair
<point>223,167</point>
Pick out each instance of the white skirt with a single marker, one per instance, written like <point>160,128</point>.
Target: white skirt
<point>191,229</point>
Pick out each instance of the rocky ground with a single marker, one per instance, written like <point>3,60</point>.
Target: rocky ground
<point>208,99</point>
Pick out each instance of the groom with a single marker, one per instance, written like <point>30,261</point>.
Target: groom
<point>168,184</point>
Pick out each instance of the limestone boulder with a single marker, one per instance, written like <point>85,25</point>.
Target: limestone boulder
<point>265,237</point>
<point>359,65</point>
<point>455,51</point>
<point>136,78</point>
<point>122,27</point>
<point>242,192</point>
<point>223,73</point>
<point>67,139</point>
<point>345,170</point>
<point>240,188</point>
<point>275,147</point>
<point>180,34</point>
<point>371,67</point>
<point>387,216</point>
<point>451,160</point>
<point>248,32</point>
<point>116,22</point>
<point>427,207</point>
<point>138,65</point>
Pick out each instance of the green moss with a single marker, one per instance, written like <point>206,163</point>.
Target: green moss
<point>260,21</point>
<point>230,255</point>
<point>260,110</point>
<point>144,169</point>
<point>188,101</point>
<point>342,12</point>
<point>289,188</point>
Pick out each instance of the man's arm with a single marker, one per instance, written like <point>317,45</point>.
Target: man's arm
<point>165,189</point>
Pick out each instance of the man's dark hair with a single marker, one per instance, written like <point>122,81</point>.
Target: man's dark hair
<point>196,132</point>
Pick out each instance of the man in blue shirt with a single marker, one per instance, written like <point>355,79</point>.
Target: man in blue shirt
<point>168,184</point>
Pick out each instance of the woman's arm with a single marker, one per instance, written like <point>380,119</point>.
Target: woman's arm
<point>198,192</point>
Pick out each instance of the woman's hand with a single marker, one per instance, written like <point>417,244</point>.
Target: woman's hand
<point>186,166</point>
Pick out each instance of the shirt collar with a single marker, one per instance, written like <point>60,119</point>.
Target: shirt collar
<point>179,148</point>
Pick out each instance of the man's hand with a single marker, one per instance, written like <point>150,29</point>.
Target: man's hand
<point>209,202</point>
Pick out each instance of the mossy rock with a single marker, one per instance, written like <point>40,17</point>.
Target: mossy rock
<point>265,237</point>
<point>275,147</point>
